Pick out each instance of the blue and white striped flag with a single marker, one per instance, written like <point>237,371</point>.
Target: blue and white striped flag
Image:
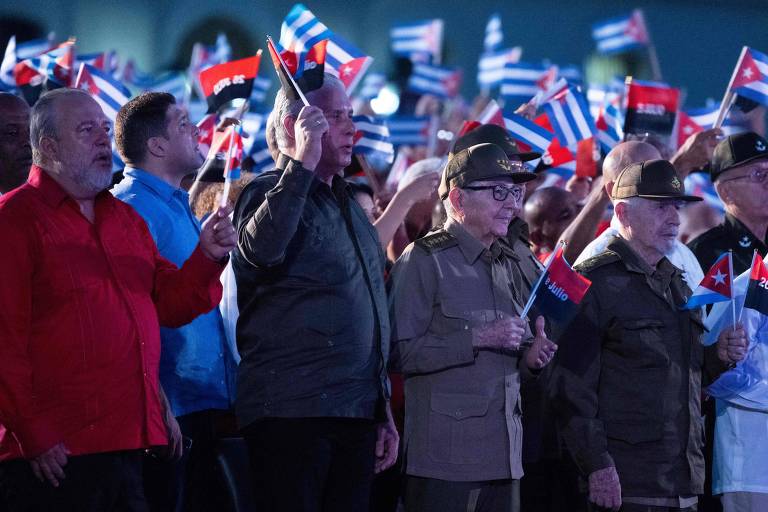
<point>372,138</point>
<point>621,34</point>
<point>109,93</point>
<point>750,79</point>
<point>570,118</point>
<point>420,41</point>
<point>16,52</point>
<point>373,83</point>
<point>493,34</point>
<point>172,82</point>
<point>301,30</point>
<point>610,126</point>
<point>490,67</point>
<point>440,82</point>
<point>522,81</point>
<point>408,130</point>
<point>261,86</point>
<point>528,132</point>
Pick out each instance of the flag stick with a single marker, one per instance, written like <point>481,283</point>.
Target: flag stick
<point>741,311</point>
<point>287,72</point>
<point>372,179</point>
<point>733,294</point>
<point>434,123</point>
<point>535,288</point>
<point>729,96</point>
<point>654,59</point>
<point>227,171</point>
<point>79,75</point>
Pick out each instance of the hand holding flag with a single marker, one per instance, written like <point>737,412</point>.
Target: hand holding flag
<point>542,351</point>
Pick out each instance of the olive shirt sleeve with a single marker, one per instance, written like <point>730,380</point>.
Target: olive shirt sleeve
<point>424,340</point>
<point>574,388</point>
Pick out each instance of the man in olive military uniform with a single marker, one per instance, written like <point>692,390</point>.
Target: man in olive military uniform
<point>628,378</point>
<point>461,344</point>
<point>739,171</point>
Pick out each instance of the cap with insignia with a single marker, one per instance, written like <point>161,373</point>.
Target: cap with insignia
<point>493,134</point>
<point>736,150</point>
<point>480,162</point>
<point>652,179</point>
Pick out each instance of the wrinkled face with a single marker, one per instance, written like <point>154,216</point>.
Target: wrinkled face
<point>83,150</point>
<point>485,217</point>
<point>338,140</point>
<point>654,224</point>
<point>15,149</point>
<point>747,187</point>
<point>182,149</point>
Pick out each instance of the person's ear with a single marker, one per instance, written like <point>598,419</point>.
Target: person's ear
<point>49,148</point>
<point>289,123</point>
<point>156,147</point>
<point>457,200</point>
<point>622,212</point>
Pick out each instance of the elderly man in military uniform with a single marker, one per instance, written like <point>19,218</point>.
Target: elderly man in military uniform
<point>627,382</point>
<point>461,344</point>
<point>739,171</point>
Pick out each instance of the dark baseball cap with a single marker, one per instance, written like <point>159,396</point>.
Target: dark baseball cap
<point>736,150</point>
<point>493,134</point>
<point>652,179</point>
<point>480,162</point>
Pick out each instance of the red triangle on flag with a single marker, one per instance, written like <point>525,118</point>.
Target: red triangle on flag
<point>718,279</point>
<point>349,70</point>
<point>748,71</point>
<point>686,127</point>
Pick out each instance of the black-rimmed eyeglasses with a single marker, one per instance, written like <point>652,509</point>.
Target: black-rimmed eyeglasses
<point>500,192</point>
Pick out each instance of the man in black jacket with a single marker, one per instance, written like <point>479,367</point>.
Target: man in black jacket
<point>313,330</point>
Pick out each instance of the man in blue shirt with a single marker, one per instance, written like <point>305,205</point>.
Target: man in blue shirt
<point>159,145</point>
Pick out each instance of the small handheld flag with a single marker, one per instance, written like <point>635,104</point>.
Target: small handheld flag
<point>372,138</point>
<point>108,92</point>
<point>420,41</point>
<point>749,79</point>
<point>650,107</point>
<point>757,290</point>
<point>621,34</point>
<point>299,73</point>
<point>716,285</point>
<point>228,81</point>
<point>569,115</point>
<point>440,82</point>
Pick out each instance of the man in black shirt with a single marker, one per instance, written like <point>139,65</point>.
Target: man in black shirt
<point>740,174</point>
<point>313,329</point>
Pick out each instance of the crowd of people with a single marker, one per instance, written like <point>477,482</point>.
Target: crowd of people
<point>365,351</point>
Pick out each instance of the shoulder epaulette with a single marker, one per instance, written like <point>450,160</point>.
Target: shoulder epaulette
<point>597,261</point>
<point>437,241</point>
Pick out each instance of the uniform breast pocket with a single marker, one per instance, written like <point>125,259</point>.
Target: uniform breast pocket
<point>457,427</point>
<point>451,317</point>
<point>642,343</point>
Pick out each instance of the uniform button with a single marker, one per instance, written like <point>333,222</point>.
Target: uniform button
<point>458,413</point>
<point>466,326</point>
<point>330,343</point>
<point>323,396</point>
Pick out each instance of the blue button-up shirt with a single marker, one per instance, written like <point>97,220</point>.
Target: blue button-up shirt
<point>197,370</point>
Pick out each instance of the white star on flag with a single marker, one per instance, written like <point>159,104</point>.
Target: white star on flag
<point>747,73</point>
<point>688,130</point>
<point>719,278</point>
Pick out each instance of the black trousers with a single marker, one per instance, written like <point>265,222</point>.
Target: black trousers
<point>432,495</point>
<point>312,464</point>
<point>192,483</point>
<point>99,482</point>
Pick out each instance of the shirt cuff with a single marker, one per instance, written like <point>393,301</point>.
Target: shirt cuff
<point>296,179</point>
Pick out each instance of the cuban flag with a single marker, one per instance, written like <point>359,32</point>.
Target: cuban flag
<point>372,138</point>
<point>716,285</point>
<point>7,81</point>
<point>621,34</point>
<point>529,133</point>
<point>490,67</point>
<point>55,65</point>
<point>373,83</point>
<point>571,73</point>
<point>750,78</point>
<point>420,41</point>
<point>559,291</point>
<point>757,289</point>
<point>220,148</point>
<point>109,93</point>
<point>523,80</point>
<point>569,115</point>
<point>440,82</point>
<point>306,68</point>
<point>493,34</point>
<point>610,125</point>
<point>301,30</point>
<point>408,130</point>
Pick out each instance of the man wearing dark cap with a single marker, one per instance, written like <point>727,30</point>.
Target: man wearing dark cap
<point>739,171</point>
<point>628,378</point>
<point>15,148</point>
<point>460,342</point>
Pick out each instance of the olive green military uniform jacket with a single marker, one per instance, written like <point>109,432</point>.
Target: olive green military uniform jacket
<point>627,381</point>
<point>462,406</point>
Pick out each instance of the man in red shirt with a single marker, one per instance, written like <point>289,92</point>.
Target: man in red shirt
<point>83,294</point>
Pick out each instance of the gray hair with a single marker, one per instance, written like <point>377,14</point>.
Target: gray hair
<point>42,121</point>
<point>284,107</point>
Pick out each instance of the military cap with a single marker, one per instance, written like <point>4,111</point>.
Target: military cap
<point>480,162</point>
<point>651,179</point>
<point>493,134</point>
<point>736,150</point>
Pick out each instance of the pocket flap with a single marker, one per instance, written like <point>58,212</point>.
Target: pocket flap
<point>642,323</point>
<point>634,432</point>
<point>459,406</point>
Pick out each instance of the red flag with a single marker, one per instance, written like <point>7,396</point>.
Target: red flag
<point>757,291</point>
<point>306,69</point>
<point>225,82</point>
<point>220,146</point>
<point>560,291</point>
<point>205,127</point>
<point>587,157</point>
<point>685,127</point>
<point>650,107</point>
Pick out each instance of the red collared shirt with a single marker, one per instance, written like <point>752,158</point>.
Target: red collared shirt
<point>80,309</point>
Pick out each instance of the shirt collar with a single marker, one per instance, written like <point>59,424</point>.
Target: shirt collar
<point>470,246</point>
<point>737,227</point>
<point>53,193</point>
<point>160,187</point>
<point>634,263</point>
